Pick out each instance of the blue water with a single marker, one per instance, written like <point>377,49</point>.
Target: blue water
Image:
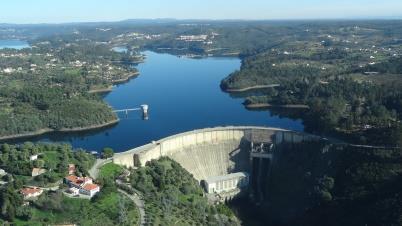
<point>183,94</point>
<point>13,44</point>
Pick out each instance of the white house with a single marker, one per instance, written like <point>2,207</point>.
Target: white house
<point>74,191</point>
<point>33,157</point>
<point>85,185</point>
<point>2,172</point>
<point>8,70</point>
<point>90,189</point>
<point>31,192</point>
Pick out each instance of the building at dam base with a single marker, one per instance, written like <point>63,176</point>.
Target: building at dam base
<point>215,155</point>
<point>227,185</point>
<point>227,182</point>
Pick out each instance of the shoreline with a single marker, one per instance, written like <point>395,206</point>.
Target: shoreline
<point>63,130</point>
<point>101,90</point>
<point>123,80</point>
<point>115,82</point>
<point>252,88</point>
<point>259,106</point>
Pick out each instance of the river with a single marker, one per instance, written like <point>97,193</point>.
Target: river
<point>183,94</point>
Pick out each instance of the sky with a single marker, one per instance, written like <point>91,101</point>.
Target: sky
<point>61,11</point>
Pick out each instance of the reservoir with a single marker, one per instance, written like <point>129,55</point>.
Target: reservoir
<point>13,44</point>
<point>183,94</point>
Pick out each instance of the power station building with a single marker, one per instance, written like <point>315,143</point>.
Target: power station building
<point>227,183</point>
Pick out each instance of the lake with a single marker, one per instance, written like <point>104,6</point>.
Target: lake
<point>13,44</point>
<point>183,94</point>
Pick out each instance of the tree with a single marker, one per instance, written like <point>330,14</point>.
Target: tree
<point>123,216</point>
<point>325,196</point>
<point>40,163</point>
<point>107,153</point>
<point>24,212</point>
<point>327,183</point>
<point>51,165</point>
<point>9,199</point>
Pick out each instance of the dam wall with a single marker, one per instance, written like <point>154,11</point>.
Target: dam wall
<point>208,152</point>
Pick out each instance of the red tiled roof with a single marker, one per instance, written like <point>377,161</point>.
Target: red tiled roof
<point>90,187</point>
<point>77,180</point>
<point>28,191</point>
<point>72,178</point>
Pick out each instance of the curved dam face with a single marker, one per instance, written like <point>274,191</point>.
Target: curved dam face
<point>211,152</point>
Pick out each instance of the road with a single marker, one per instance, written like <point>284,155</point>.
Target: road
<point>139,203</point>
<point>94,171</point>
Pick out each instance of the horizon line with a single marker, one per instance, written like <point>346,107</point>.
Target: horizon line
<point>379,18</point>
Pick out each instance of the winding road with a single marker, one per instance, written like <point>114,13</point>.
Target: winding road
<point>94,171</point>
<point>138,201</point>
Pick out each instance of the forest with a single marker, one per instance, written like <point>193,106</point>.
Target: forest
<point>35,108</point>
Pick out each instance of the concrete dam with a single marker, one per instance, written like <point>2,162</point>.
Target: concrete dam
<point>216,152</point>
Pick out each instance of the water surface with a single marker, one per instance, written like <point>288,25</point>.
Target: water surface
<point>13,44</point>
<point>183,94</point>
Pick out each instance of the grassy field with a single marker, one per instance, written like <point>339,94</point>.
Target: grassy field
<point>110,170</point>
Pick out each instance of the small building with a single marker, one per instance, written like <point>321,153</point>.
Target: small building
<point>31,192</point>
<point>74,191</point>
<point>227,183</point>
<point>37,172</point>
<point>90,189</point>
<point>77,182</point>
<point>2,172</point>
<point>33,157</point>
<point>71,169</point>
<point>84,185</point>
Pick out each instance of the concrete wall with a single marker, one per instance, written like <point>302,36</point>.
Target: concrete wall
<point>205,152</point>
<point>173,144</point>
